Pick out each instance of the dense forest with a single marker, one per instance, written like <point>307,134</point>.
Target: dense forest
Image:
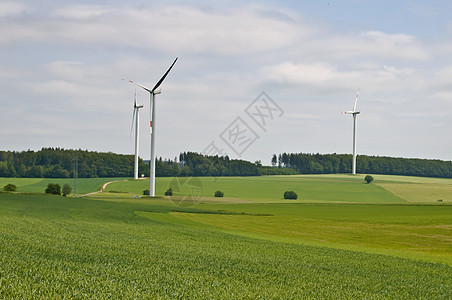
<point>304,163</point>
<point>202,165</point>
<point>60,163</point>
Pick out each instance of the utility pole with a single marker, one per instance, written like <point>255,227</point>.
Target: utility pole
<point>75,184</point>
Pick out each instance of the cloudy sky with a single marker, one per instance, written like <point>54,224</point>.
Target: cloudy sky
<point>61,65</point>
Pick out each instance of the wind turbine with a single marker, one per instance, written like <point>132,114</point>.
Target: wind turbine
<point>136,116</point>
<point>354,113</point>
<point>152,93</point>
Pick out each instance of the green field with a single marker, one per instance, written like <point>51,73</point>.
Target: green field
<point>310,188</point>
<point>341,239</point>
<point>38,185</point>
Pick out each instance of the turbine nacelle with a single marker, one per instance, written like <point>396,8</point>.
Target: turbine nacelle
<point>349,112</point>
<point>157,91</point>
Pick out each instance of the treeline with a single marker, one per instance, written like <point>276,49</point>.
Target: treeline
<point>196,164</point>
<point>60,163</point>
<point>305,163</point>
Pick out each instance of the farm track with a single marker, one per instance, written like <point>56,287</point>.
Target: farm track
<point>104,186</point>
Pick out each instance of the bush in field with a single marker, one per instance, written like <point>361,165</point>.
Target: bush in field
<point>368,178</point>
<point>169,192</point>
<point>146,192</point>
<point>219,194</point>
<point>66,189</point>
<point>290,195</point>
<point>53,188</point>
<point>10,188</point>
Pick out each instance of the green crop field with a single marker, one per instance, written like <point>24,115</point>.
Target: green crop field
<point>342,239</point>
<point>408,231</point>
<point>310,188</point>
<point>38,185</point>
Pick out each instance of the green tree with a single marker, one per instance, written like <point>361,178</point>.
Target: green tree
<point>35,172</point>
<point>10,188</point>
<point>290,195</point>
<point>3,169</point>
<point>53,188</point>
<point>66,189</point>
<point>274,160</point>
<point>11,169</point>
<point>368,178</point>
<point>169,192</point>
<point>185,171</point>
<point>219,194</point>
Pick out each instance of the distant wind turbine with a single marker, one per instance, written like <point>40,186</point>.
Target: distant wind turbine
<point>136,117</point>
<point>354,113</point>
<point>152,93</point>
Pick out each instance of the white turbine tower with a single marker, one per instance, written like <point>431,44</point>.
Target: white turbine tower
<point>354,113</point>
<point>136,117</point>
<point>152,93</point>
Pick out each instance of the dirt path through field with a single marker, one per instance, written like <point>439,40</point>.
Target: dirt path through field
<point>101,189</point>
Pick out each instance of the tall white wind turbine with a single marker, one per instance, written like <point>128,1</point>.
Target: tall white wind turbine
<point>136,117</point>
<point>355,124</point>
<point>152,93</point>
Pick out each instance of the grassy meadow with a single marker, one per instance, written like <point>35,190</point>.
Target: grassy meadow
<point>310,188</point>
<point>341,239</point>
<point>38,185</point>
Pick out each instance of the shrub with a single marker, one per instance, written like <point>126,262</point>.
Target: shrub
<point>66,189</point>
<point>53,188</point>
<point>10,188</point>
<point>368,178</point>
<point>146,192</point>
<point>219,194</point>
<point>290,195</point>
<point>169,192</point>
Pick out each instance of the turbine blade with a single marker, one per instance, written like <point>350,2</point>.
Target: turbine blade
<point>141,86</point>
<point>133,119</point>
<point>356,101</point>
<point>163,77</point>
<point>135,99</point>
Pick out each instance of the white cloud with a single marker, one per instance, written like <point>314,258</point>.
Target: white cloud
<point>445,97</point>
<point>82,12</point>
<point>390,45</point>
<point>11,8</point>
<point>301,73</point>
<point>364,44</point>
<point>370,77</point>
<point>445,75</point>
<point>10,72</point>
<point>236,31</point>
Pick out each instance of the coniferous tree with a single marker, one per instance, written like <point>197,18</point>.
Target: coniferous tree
<point>274,160</point>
